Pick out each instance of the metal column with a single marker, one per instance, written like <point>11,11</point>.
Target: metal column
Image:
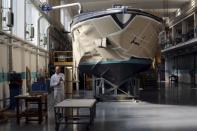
<point>10,40</point>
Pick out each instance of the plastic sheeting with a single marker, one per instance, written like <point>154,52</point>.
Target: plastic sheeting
<point>138,39</point>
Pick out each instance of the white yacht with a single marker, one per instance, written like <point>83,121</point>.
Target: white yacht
<point>115,44</point>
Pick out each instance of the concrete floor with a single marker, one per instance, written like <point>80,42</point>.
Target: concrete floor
<point>165,110</point>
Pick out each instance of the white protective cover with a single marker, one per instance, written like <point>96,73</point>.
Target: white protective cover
<point>139,39</point>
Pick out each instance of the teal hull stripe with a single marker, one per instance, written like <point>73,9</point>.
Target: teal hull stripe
<point>133,61</point>
<point>4,76</point>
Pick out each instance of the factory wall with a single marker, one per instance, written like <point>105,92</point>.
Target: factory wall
<point>19,16</point>
<point>21,58</point>
<point>184,65</point>
<point>4,90</point>
<point>25,52</point>
<point>31,18</point>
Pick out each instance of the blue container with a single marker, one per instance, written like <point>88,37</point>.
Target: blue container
<point>15,87</point>
<point>15,90</point>
<point>48,85</point>
<point>39,86</point>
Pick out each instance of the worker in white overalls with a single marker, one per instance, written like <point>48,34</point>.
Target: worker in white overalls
<point>57,82</point>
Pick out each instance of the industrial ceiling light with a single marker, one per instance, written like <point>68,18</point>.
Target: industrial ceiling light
<point>178,12</point>
<point>193,2</point>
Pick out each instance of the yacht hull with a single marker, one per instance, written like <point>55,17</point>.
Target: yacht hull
<point>115,45</point>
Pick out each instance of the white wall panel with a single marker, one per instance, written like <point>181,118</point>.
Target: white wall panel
<point>27,59</point>
<point>19,15</point>
<point>33,63</point>
<point>41,62</point>
<point>4,89</point>
<point>33,67</point>
<point>4,57</point>
<point>32,15</point>
<point>17,60</point>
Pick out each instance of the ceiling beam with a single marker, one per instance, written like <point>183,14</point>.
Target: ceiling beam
<point>92,5</point>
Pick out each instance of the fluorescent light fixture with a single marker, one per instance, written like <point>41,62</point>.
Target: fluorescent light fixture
<point>178,12</point>
<point>193,3</point>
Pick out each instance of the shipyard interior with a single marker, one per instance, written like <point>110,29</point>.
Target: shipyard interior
<point>97,65</point>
